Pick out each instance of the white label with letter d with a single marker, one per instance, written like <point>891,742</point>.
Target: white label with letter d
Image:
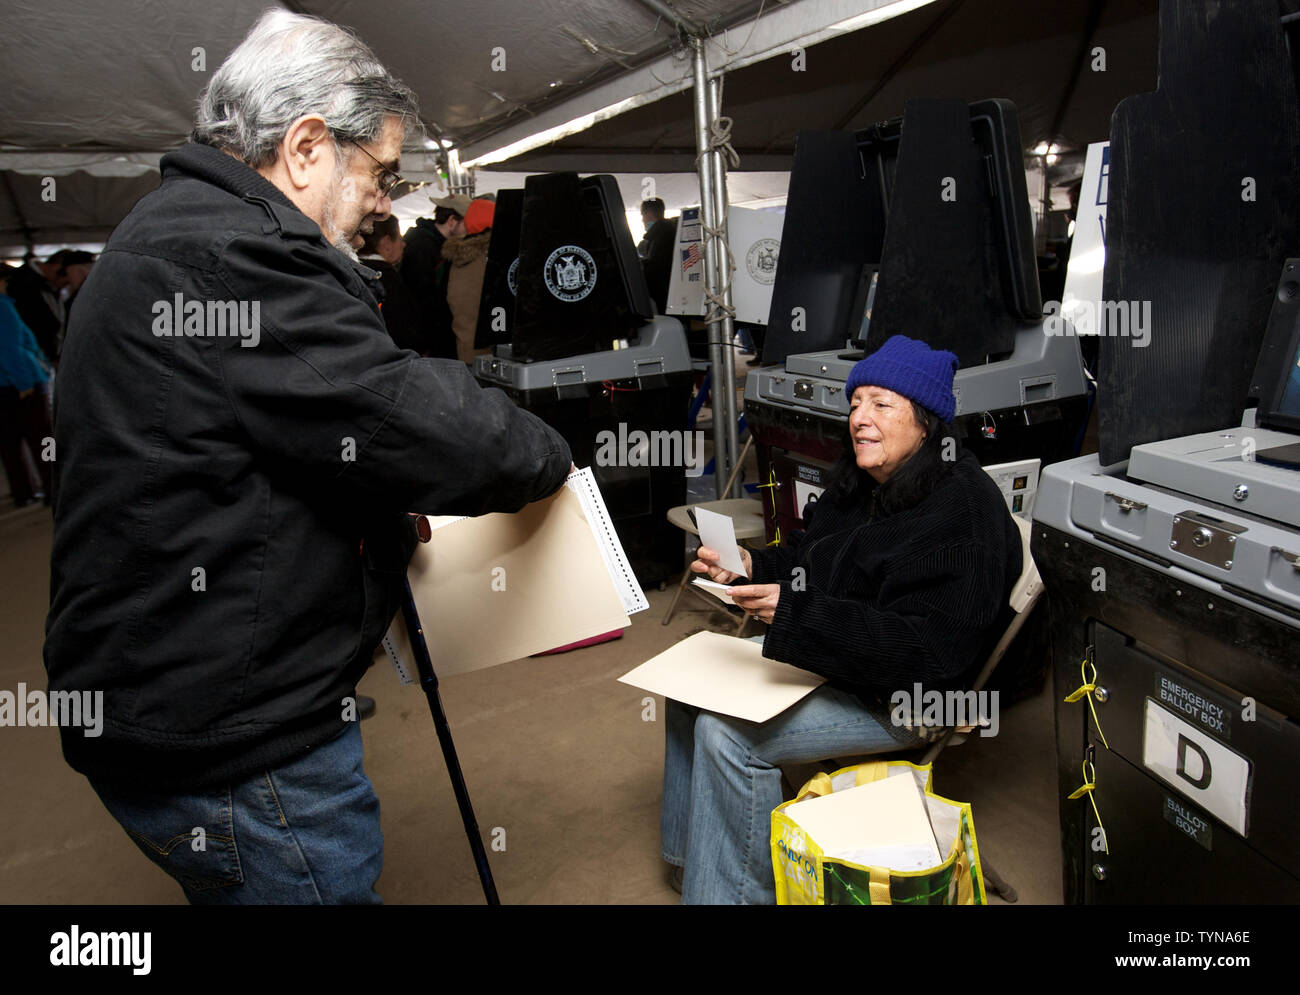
<point>1196,765</point>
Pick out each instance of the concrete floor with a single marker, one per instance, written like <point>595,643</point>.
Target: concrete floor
<point>560,764</point>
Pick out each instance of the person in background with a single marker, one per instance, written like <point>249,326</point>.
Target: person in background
<point>656,250</point>
<point>466,257</point>
<point>74,267</point>
<point>426,273</point>
<point>36,292</point>
<point>382,252</point>
<point>24,412</point>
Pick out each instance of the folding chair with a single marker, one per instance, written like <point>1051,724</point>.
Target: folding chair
<point>747,520</point>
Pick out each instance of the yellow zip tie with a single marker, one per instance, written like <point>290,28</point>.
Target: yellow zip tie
<point>1087,688</point>
<point>1089,784</point>
<point>771,486</point>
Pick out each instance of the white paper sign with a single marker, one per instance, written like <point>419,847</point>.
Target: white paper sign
<point>755,240</point>
<point>1082,295</point>
<point>1197,765</point>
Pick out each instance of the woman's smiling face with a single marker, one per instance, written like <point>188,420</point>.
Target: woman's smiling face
<point>884,431</point>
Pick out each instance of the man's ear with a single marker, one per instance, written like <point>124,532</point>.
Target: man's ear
<point>306,146</point>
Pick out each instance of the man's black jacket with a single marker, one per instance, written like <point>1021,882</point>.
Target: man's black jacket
<point>229,529</point>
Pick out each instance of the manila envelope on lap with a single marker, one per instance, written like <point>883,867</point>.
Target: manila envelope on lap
<point>501,587</point>
<point>724,674</point>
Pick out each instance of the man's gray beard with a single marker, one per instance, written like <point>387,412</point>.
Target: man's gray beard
<point>342,242</point>
<point>344,245</point>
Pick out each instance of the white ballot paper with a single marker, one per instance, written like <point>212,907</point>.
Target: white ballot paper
<point>881,824</point>
<point>501,587</point>
<point>719,534</point>
<point>724,674</point>
<point>719,591</point>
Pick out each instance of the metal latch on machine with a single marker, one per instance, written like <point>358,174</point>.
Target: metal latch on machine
<point>569,376</point>
<point>1290,557</point>
<point>1126,503</point>
<point>1206,538</point>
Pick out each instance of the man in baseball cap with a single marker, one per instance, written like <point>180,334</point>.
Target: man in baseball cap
<point>425,273</point>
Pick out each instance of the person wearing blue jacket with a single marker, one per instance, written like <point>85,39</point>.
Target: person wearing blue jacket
<point>24,412</point>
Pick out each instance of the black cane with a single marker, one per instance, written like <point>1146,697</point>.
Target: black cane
<point>429,681</point>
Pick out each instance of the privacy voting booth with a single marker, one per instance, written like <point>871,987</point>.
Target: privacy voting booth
<point>918,226</point>
<point>583,350</point>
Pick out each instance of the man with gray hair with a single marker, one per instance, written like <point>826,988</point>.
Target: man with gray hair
<point>239,446</point>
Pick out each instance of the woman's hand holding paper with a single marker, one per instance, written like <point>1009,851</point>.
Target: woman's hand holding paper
<point>758,600</point>
<point>707,562</point>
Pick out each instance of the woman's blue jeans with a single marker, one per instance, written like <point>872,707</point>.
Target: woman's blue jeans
<point>722,778</point>
<point>306,833</point>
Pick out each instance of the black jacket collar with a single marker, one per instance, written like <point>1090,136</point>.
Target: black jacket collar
<point>225,171</point>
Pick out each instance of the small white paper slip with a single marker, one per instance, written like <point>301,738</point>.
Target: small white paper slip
<point>719,534</point>
<point>724,674</point>
<point>881,824</point>
<point>716,589</point>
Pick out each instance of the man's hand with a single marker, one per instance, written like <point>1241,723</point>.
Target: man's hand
<point>758,600</point>
<point>708,563</point>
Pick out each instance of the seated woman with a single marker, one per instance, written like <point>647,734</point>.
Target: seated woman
<point>902,576</point>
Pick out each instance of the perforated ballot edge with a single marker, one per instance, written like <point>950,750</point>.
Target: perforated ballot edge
<point>583,484</point>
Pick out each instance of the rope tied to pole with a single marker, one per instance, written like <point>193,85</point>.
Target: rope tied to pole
<point>720,140</point>
<point>719,135</point>
<point>718,308</point>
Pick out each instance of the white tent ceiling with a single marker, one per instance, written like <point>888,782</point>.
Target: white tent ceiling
<point>95,93</point>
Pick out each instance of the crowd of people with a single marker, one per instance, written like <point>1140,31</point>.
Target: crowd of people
<point>36,299</point>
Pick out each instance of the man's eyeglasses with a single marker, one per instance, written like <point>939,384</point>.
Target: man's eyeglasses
<point>388,180</point>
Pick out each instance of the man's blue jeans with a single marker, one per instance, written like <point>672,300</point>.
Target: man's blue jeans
<point>722,778</point>
<point>306,833</point>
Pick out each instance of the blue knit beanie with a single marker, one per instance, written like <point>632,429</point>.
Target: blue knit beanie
<point>910,368</point>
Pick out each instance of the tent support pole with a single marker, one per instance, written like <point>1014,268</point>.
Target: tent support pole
<point>722,399</point>
<point>728,327</point>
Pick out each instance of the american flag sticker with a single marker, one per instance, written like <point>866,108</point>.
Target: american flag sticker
<point>691,256</point>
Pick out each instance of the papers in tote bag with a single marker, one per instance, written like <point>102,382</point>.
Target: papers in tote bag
<point>501,587</point>
<point>724,674</point>
<point>881,824</point>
